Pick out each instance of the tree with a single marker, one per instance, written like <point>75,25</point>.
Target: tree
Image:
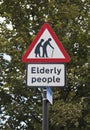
<point>20,105</point>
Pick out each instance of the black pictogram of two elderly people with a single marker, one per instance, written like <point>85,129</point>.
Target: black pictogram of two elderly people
<point>44,48</point>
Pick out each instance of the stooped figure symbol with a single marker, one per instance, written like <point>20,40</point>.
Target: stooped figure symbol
<point>45,53</point>
<point>44,48</point>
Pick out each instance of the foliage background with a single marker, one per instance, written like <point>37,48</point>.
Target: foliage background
<point>20,106</point>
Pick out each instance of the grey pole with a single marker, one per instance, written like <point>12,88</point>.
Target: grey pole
<point>45,111</point>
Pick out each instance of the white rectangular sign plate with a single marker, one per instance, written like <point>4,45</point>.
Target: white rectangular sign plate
<point>41,75</point>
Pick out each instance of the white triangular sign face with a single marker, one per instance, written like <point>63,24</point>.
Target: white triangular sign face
<point>50,50</point>
<point>46,48</point>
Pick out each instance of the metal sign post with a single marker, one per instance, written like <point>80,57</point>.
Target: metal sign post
<point>45,111</point>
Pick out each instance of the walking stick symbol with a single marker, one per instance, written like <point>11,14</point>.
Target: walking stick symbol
<point>52,52</point>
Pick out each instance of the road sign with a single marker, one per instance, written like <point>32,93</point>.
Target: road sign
<point>49,95</point>
<point>42,75</point>
<point>46,48</point>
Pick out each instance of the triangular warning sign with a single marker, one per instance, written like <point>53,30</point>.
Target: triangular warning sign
<point>46,48</point>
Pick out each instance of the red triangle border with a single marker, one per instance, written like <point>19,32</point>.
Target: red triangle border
<point>46,60</point>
